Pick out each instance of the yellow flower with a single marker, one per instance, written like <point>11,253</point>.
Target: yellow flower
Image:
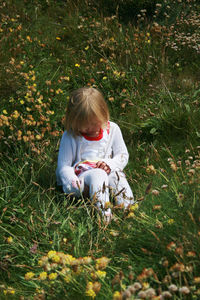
<point>55,258</point>
<point>86,48</point>
<point>68,278</point>
<point>38,137</point>
<point>66,78</point>
<point>170,221</point>
<point>58,38</point>
<point>131,215</point>
<point>148,34</point>
<point>151,169</point>
<point>5,112</point>
<point>104,78</point>
<point>29,275</point>
<point>145,285</point>
<point>51,253</point>
<point>101,263</point>
<point>90,293</point>
<point>43,276</point>
<point>53,276</point>
<point>15,114</point>
<point>11,291</point>
<point>9,240</point>
<point>117,296</point>
<point>28,38</point>
<point>22,101</point>
<point>100,274</point>
<point>77,65</point>
<point>134,207</point>
<point>68,259</point>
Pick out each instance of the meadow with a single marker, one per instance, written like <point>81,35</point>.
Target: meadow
<point>144,56</point>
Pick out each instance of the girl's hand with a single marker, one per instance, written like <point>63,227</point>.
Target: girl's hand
<point>102,165</point>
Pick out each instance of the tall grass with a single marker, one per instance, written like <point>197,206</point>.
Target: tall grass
<point>146,63</point>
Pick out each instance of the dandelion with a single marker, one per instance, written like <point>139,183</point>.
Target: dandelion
<point>77,65</point>
<point>29,275</point>
<point>9,240</point>
<point>105,77</point>
<point>5,112</point>
<point>86,48</point>
<point>43,276</point>
<point>53,276</point>
<point>58,38</point>
<point>22,102</point>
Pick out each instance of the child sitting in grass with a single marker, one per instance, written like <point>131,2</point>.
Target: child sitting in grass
<point>92,153</point>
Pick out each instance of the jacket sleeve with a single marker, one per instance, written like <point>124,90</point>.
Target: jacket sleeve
<point>120,153</point>
<point>65,171</point>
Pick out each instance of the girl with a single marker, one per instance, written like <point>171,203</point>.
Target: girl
<point>92,153</point>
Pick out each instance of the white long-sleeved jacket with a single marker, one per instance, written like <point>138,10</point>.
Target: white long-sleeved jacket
<point>111,149</point>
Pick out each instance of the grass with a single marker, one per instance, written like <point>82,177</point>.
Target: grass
<point>146,64</point>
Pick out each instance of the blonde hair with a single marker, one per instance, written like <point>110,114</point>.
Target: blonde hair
<point>84,104</point>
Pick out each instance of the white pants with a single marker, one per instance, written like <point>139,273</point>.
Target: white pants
<point>100,184</point>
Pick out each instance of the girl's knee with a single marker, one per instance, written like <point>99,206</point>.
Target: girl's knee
<point>99,175</point>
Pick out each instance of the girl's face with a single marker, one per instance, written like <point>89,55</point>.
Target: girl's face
<point>92,129</point>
